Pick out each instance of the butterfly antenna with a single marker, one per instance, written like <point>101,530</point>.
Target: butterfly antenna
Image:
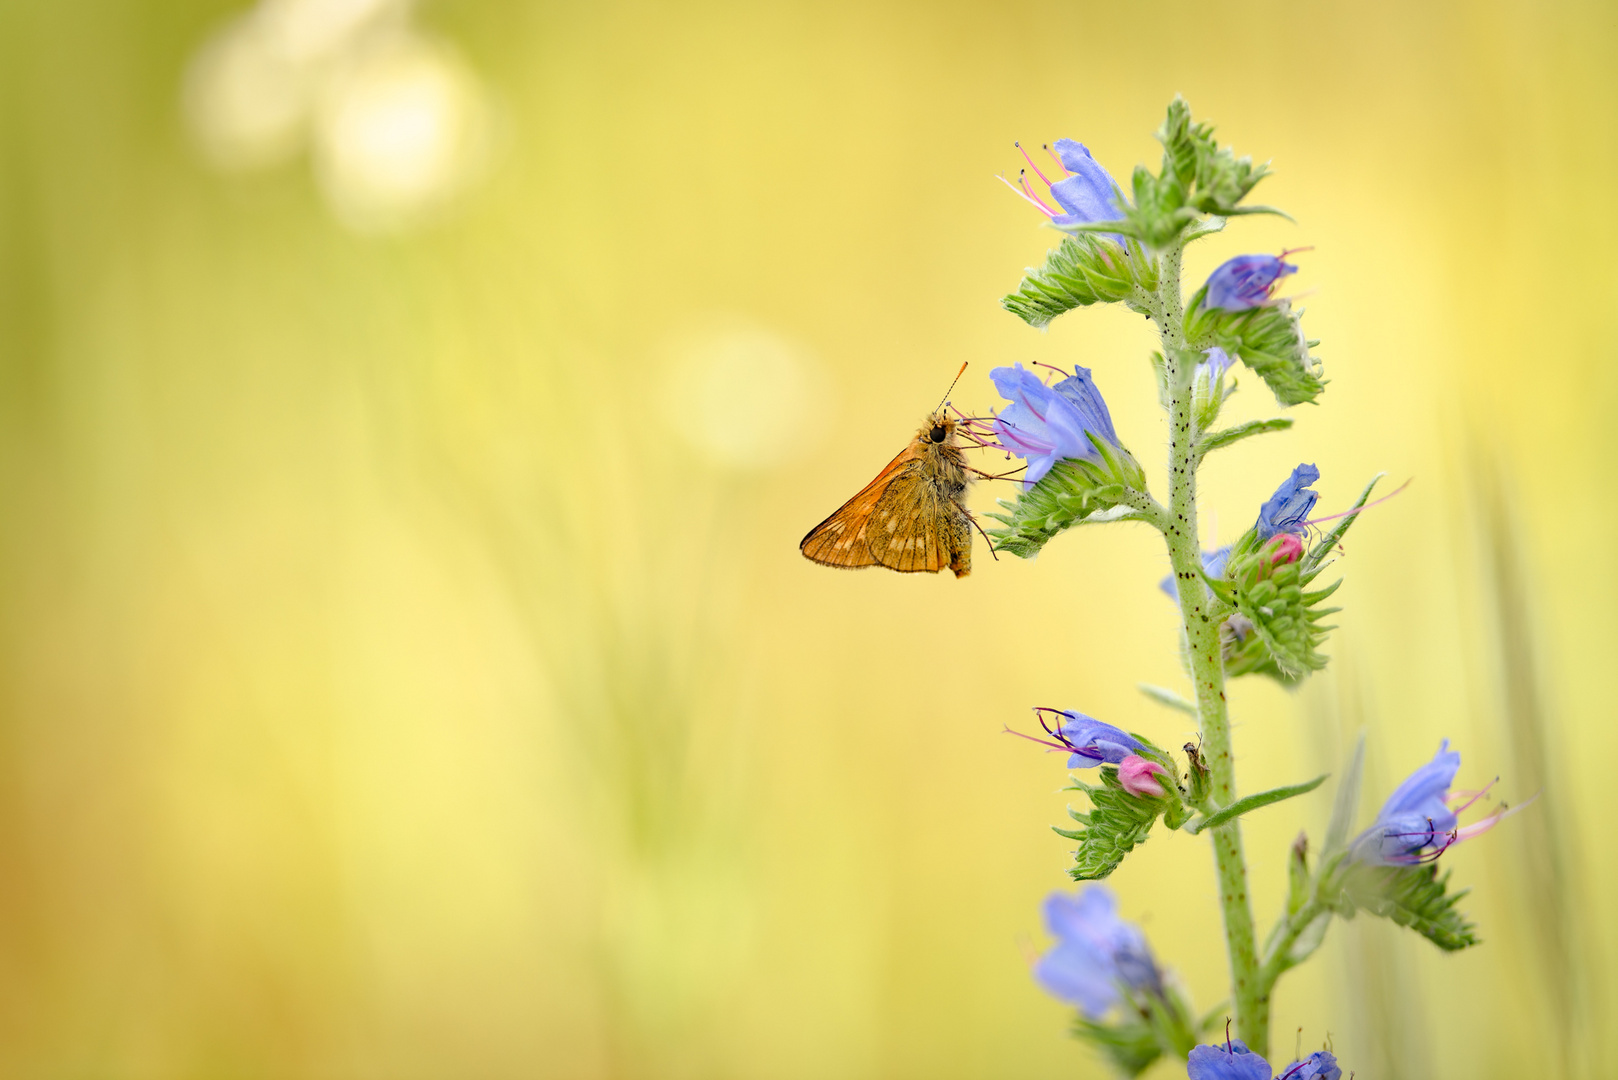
<point>952,383</point>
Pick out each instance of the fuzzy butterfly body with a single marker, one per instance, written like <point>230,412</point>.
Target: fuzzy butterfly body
<point>909,518</point>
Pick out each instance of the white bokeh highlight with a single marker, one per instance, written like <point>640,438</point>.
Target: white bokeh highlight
<point>396,124</point>
<point>745,397</point>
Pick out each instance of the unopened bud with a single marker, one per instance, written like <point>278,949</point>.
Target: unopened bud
<point>1138,776</point>
<point>1285,548</point>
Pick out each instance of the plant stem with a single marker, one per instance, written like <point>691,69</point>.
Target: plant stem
<point>1207,666</point>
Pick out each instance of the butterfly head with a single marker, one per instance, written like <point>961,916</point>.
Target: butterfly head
<point>939,428</point>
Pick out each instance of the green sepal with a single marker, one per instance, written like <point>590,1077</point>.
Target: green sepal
<point>1116,823</point>
<point>1206,177</point>
<point>1253,802</point>
<point>1076,491</point>
<point>1298,875</point>
<point>1159,213</point>
<point>1281,625</point>
<point>1085,269</point>
<point>1129,1045</point>
<point>1412,896</point>
<point>1268,338</point>
<point>1218,440</point>
<point>1151,1023</point>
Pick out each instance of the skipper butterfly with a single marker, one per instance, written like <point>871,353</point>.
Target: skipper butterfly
<point>909,518</point>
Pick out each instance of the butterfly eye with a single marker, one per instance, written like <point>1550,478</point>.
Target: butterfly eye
<point>938,433</point>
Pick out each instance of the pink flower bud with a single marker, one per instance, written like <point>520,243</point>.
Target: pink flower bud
<point>1288,547</point>
<point>1139,776</point>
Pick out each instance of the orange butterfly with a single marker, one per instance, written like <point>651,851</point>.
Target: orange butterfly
<point>909,518</point>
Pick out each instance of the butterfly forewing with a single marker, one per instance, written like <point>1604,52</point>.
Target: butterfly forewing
<point>841,540</point>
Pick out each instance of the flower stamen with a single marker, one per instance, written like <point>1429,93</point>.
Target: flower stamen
<point>1043,178</point>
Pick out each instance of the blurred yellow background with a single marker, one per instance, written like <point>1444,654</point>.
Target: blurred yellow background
<point>409,417</point>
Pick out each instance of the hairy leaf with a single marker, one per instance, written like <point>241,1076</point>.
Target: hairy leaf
<point>1346,803</point>
<point>1168,698</point>
<point>1253,802</point>
<point>1216,440</point>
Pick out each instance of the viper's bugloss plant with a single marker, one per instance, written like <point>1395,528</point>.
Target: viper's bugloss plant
<point>1253,606</point>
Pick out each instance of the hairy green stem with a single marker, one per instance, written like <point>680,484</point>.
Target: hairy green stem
<point>1207,667</point>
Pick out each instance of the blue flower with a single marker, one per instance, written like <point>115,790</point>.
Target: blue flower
<point>1046,424</point>
<point>1087,194</point>
<point>1245,281</point>
<point>1096,952</point>
<point>1320,1065</point>
<point>1231,1061</point>
<point>1288,508</point>
<point>1093,742</point>
<point>1213,564</point>
<point>1415,817</point>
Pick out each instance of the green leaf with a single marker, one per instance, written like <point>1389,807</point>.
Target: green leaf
<point>1346,804</point>
<point>1075,492</point>
<point>1412,896</point>
<point>1216,440</point>
<point>1268,338</point>
<point>1166,697</point>
<point>1085,269</point>
<point>1253,802</point>
<point>1319,553</point>
<point>1116,823</point>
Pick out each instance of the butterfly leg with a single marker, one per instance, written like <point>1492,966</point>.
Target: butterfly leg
<point>986,538</point>
<point>996,476</point>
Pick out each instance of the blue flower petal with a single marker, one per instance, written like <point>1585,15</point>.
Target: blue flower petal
<point>1245,281</point>
<point>1416,815</point>
<point>1288,508</point>
<point>1320,1065</point>
<point>1095,950</point>
<point>1090,194</point>
<point>1228,1061</point>
<point>1045,425</point>
<point>1097,743</point>
<point>1080,389</point>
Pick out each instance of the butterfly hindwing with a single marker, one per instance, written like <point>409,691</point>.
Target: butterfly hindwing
<point>915,527</point>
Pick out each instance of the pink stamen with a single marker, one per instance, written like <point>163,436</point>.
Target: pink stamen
<point>1367,506</point>
<point>1022,182</point>
<point>1031,164</point>
<point>1054,368</point>
<point>1294,251</point>
<point>1471,796</point>
<point>1056,158</point>
<point>1478,828</point>
<point>1033,739</point>
<point>1041,207</point>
